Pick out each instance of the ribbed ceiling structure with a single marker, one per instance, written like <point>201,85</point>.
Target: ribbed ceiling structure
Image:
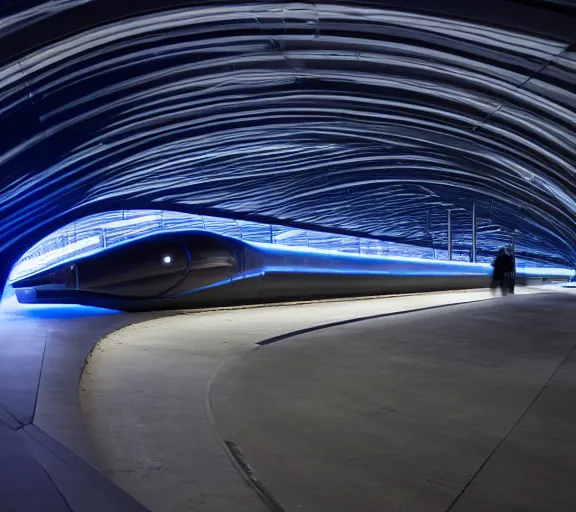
<point>373,118</point>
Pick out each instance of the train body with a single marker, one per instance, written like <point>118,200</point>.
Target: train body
<point>193,269</point>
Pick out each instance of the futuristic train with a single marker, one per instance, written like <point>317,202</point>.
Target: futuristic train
<point>193,269</point>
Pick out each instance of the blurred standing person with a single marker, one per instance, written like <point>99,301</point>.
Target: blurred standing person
<point>511,270</point>
<point>503,266</point>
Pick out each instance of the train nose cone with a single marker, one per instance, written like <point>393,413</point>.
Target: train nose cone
<point>64,277</point>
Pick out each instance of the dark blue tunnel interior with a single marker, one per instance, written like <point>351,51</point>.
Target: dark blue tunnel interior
<point>367,118</point>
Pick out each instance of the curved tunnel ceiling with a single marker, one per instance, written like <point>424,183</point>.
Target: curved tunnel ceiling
<point>369,117</point>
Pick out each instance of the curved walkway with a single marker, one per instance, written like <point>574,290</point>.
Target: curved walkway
<point>45,453</point>
<point>464,409</point>
<point>144,396</point>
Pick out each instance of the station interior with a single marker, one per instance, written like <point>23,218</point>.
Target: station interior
<point>287,256</point>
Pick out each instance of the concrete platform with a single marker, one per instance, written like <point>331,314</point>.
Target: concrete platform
<point>47,458</point>
<point>146,396</point>
<point>467,408</point>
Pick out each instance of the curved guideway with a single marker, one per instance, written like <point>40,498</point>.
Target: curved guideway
<point>464,409</point>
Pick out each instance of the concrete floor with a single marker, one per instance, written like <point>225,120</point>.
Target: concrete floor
<point>45,453</point>
<point>464,409</point>
<point>46,456</point>
<point>146,397</point>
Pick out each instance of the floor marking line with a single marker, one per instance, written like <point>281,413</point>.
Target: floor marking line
<point>503,440</point>
<point>46,341</point>
<point>280,337</point>
<point>266,496</point>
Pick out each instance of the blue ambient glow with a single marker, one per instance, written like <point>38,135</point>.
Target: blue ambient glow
<point>545,272</point>
<point>100,232</point>
<point>350,115</point>
<point>10,307</point>
<point>344,256</point>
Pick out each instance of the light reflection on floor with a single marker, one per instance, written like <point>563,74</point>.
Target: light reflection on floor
<point>10,307</point>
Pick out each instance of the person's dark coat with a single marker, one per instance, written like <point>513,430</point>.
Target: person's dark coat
<point>503,266</point>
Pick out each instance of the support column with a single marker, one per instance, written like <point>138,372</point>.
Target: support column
<point>474,230</point>
<point>449,234</point>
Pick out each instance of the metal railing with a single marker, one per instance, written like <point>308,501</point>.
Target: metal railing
<point>98,232</point>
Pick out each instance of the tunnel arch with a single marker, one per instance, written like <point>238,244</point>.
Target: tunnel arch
<point>363,116</point>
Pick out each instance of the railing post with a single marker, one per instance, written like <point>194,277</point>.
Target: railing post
<point>474,232</point>
<point>450,234</point>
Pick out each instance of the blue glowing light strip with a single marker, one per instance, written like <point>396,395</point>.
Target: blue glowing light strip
<point>147,223</point>
<point>99,232</point>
